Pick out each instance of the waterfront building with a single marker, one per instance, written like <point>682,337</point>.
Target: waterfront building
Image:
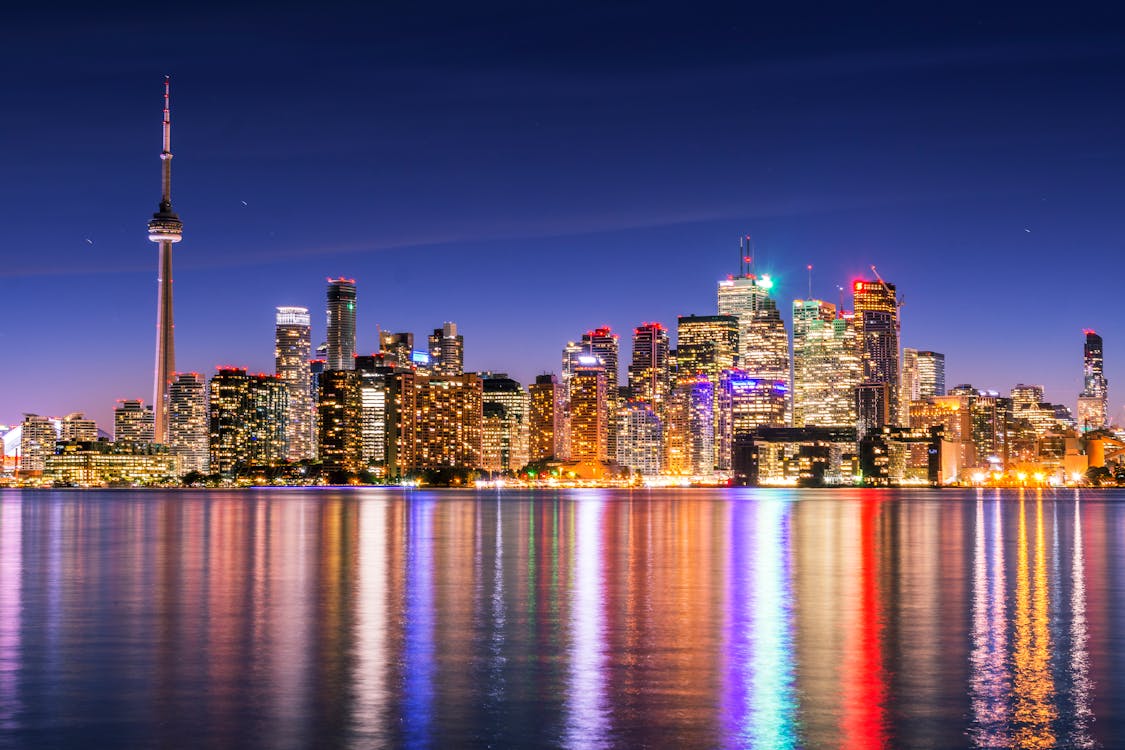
<point>826,366</point>
<point>603,343</point>
<point>247,420</point>
<point>38,436</point>
<point>700,403</point>
<point>876,311</point>
<point>189,422</point>
<point>76,427</point>
<point>588,414</point>
<point>649,379</point>
<point>545,419</point>
<point>1093,411</point>
<point>339,421</point>
<point>373,394</point>
<point>133,422</point>
<point>292,348</point>
<point>498,389</point>
<point>639,438</point>
<point>341,324</point>
<point>503,448</point>
<point>447,351</point>
<point>450,422</point>
<point>165,229</point>
<point>98,463</point>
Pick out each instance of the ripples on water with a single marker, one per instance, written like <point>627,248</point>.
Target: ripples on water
<point>585,619</point>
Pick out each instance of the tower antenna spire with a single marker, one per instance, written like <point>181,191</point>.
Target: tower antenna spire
<point>166,153</point>
<point>810,280</point>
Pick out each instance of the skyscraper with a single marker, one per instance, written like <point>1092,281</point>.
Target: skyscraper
<point>340,421</point>
<point>247,415</point>
<point>602,343</point>
<point>341,324</point>
<point>189,421</point>
<point>500,390</point>
<point>450,422</point>
<point>765,353</point>
<point>447,351</point>
<point>649,378</point>
<point>743,296</point>
<point>545,419</point>
<point>639,438</point>
<point>826,367</point>
<point>706,344</point>
<point>133,422</point>
<point>397,349</point>
<point>588,414</point>
<point>931,374</point>
<point>876,311</point>
<point>292,346</point>
<point>1093,412</point>
<point>165,229</point>
<point>745,403</point>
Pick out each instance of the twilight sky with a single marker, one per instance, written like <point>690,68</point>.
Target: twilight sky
<point>532,174</point>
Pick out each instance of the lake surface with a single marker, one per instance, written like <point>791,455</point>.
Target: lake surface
<point>579,618</point>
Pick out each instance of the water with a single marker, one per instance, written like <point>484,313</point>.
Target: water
<point>586,618</point>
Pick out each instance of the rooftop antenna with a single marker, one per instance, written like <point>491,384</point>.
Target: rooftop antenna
<point>810,280</point>
<point>840,309</point>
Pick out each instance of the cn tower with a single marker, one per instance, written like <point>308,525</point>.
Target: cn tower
<point>165,229</point>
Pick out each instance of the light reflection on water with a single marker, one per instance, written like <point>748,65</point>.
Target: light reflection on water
<point>728,618</point>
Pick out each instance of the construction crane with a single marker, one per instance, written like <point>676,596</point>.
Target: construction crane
<point>899,301</point>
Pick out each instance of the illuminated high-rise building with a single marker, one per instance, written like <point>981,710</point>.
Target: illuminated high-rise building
<point>450,422</point>
<point>189,421</point>
<point>37,441</point>
<point>133,422</point>
<point>603,344</point>
<point>76,428</point>
<point>373,394</point>
<point>1093,410</point>
<point>588,414</point>
<point>339,411</point>
<point>931,374</point>
<point>165,229</point>
<point>341,324</point>
<point>649,377</point>
<point>826,368</point>
<point>397,349</point>
<point>292,347</point>
<point>706,344</point>
<point>545,418</point>
<point>247,420</point>
<point>765,354</point>
<point>876,312</point>
<point>743,296</point>
<point>639,444</point>
<point>512,420</point>
<point>700,397</point>
<point>744,404</point>
<point>447,351</point>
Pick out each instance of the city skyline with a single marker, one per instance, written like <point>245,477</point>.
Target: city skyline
<point>985,235</point>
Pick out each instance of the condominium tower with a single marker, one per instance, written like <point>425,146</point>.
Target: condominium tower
<point>341,324</point>
<point>292,347</point>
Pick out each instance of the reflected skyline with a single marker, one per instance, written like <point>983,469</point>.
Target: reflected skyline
<point>571,619</point>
